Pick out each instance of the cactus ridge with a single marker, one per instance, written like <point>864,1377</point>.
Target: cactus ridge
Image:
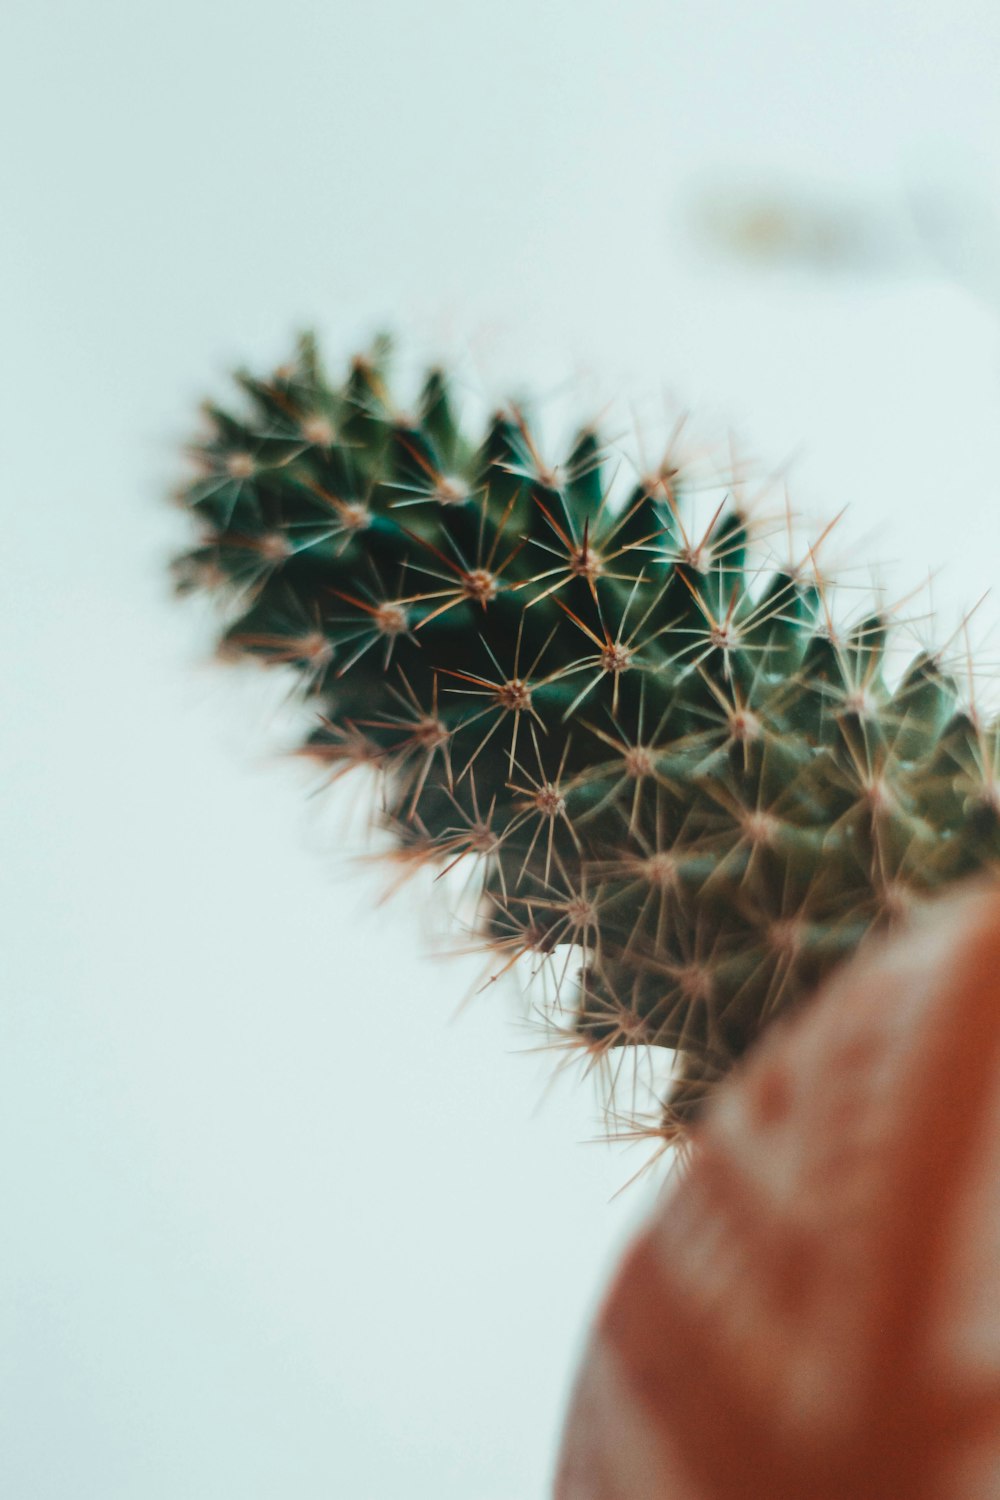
<point>674,775</point>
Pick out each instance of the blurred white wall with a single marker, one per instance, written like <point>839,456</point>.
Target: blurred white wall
<point>272,1226</point>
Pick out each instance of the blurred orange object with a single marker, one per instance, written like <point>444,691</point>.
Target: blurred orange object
<point>814,1313</point>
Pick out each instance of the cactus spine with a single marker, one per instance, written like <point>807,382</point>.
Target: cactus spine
<point>652,752</point>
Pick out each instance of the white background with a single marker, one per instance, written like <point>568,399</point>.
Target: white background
<point>273,1225</point>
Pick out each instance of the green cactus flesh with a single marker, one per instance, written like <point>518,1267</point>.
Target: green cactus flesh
<point>672,773</point>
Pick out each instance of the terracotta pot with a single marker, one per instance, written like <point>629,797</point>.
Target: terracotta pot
<point>814,1311</point>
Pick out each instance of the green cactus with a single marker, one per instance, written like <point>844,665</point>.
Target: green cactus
<point>673,773</point>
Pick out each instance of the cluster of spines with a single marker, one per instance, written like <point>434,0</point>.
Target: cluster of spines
<point>674,774</point>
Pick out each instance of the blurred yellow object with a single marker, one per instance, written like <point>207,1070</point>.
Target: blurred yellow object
<point>774,227</point>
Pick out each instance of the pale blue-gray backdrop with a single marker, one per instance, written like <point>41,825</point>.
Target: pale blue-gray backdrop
<point>272,1225</point>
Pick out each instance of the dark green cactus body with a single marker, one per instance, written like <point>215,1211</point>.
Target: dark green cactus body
<point>650,752</point>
